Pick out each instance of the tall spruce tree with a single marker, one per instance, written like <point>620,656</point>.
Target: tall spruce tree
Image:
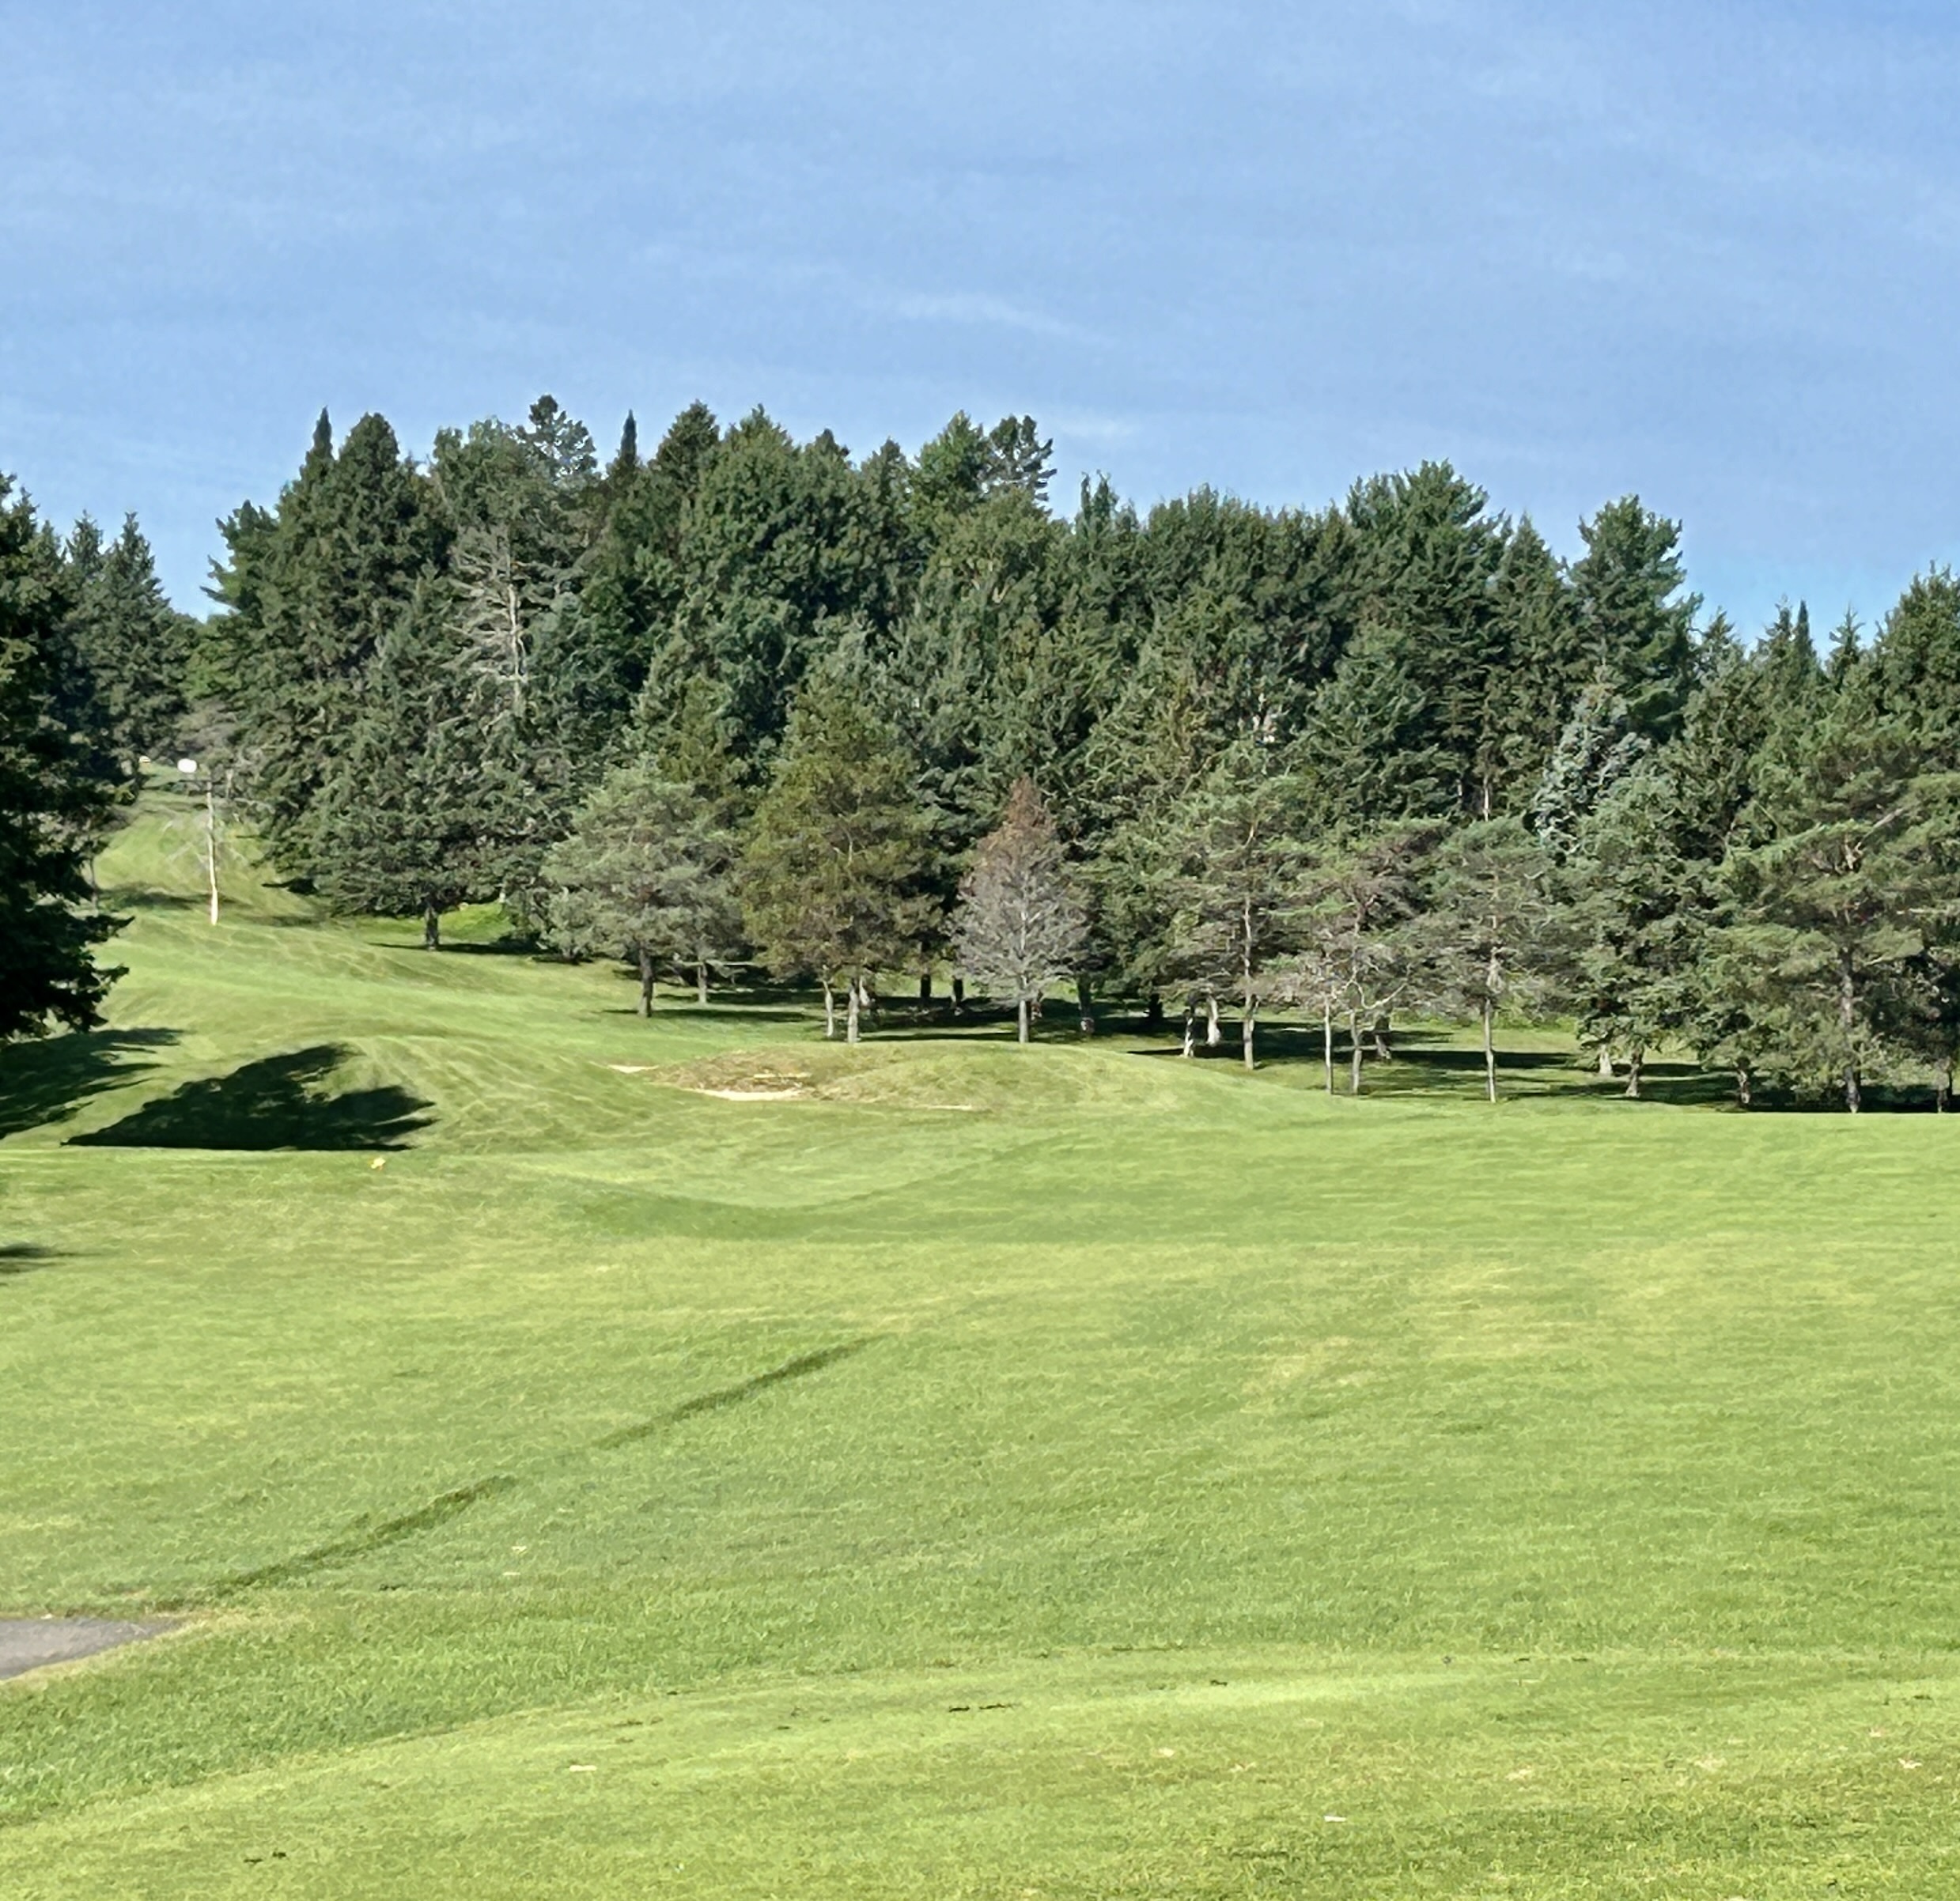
<point>648,873</point>
<point>136,646</point>
<point>1827,898</point>
<point>56,798</point>
<point>1636,623</point>
<point>400,828</point>
<point>837,852</point>
<point>1641,913</point>
<point>307,595</point>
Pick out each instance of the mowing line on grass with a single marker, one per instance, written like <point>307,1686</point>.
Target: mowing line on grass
<point>794,1369</point>
<point>390,1531</point>
<point>366,1538</point>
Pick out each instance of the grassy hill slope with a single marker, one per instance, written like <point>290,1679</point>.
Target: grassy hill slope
<point>942,1468</point>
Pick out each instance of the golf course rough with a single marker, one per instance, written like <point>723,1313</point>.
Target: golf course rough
<point>580,1456</point>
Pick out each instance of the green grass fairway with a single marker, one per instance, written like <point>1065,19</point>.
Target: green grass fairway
<point>943,1469</point>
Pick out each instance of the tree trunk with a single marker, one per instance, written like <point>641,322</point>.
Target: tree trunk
<point>829,1012</point>
<point>1214,1030</point>
<point>1085,1007</point>
<point>1742,1086</point>
<point>1493,980</point>
<point>1636,1063</point>
<point>1943,1092</point>
<point>1248,1021</point>
<point>1382,1052</point>
<point>850,1012</point>
<point>1326,1042</point>
<point>431,925</point>
<point>1020,1021</point>
<point>211,846</point>
<point>959,996</point>
<point>925,986</point>
<point>1354,1053</point>
<point>1605,1063</point>
<point>1847,1023</point>
<point>701,984</point>
<point>1190,1027</point>
<point>1153,1011</point>
<point>646,981</point>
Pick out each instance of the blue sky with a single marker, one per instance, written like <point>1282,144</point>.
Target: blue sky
<point>1707,252</point>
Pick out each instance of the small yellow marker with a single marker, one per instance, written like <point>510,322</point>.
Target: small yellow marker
<point>379,1161</point>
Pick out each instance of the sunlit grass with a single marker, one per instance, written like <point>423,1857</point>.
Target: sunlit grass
<point>980,1471</point>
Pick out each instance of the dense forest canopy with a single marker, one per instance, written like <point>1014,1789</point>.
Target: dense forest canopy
<point>866,719</point>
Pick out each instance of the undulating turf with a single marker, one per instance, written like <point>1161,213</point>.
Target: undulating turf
<point>943,1468</point>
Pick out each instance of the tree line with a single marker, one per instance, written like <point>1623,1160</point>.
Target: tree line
<point>867,720</point>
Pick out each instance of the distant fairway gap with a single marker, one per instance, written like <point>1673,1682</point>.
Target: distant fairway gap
<point>582,1456</point>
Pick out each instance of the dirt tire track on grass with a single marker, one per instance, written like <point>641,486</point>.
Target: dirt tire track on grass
<point>366,1537</point>
<point>799,1367</point>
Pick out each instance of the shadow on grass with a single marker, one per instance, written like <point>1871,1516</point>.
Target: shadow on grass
<point>666,1011</point>
<point>19,1257</point>
<point>48,1082</point>
<point>368,1535</point>
<point>278,1102</point>
<point>147,898</point>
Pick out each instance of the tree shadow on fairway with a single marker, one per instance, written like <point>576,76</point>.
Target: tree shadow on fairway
<point>144,897</point>
<point>278,1102</point>
<point>668,1011</point>
<point>48,1082</point>
<point>19,1257</point>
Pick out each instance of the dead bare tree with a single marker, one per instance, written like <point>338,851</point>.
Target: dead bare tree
<point>1021,925</point>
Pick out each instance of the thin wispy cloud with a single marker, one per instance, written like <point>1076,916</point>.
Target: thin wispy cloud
<point>977,308</point>
<point>1704,252</point>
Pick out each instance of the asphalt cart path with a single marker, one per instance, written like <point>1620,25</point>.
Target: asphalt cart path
<point>29,1643</point>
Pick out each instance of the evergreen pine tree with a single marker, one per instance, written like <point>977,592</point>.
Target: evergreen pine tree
<point>647,872</point>
<point>1492,928</point>
<point>56,798</point>
<point>1827,896</point>
<point>399,829</point>
<point>837,850</point>
<point>1239,833</point>
<point>307,593</point>
<point>136,646</point>
<point>1634,620</point>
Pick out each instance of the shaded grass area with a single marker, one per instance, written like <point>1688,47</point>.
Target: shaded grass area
<point>1148,1480</point>
<point>276,1102</point>
<point>46,1083</point>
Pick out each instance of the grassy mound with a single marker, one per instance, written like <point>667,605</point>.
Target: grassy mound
<point>946,1072</point>
<point>1147,1481</point>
